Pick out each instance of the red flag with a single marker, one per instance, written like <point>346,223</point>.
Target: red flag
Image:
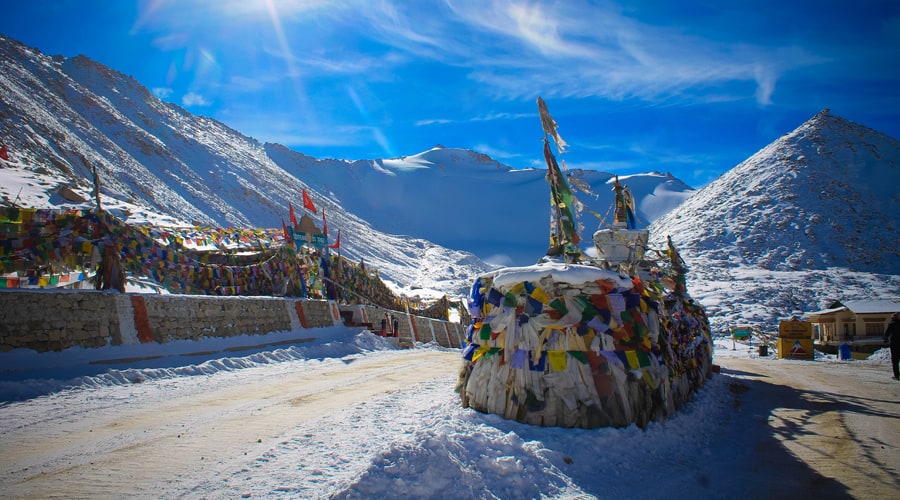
<point>325,224</point>
<point>3,153</point>
<point>308,204</point>
<point>287,235</point>
<point>337,244</point>
<point>293,216</point>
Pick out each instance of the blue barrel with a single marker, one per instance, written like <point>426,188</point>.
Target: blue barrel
<point>845,351</point>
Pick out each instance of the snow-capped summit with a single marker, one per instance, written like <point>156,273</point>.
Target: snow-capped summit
<point>824,195</point>
<point>822,202</point>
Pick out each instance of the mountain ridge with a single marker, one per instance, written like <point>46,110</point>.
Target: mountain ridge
<point>784,230</point>
<point>70,115</point>
<point>57,130</point>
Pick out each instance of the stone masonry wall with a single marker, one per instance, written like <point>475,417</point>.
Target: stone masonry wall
<point>46,321</point>
<point>319,313</point>
<point>181,317</point>
<point>417,328</point>
<point>53,320</point>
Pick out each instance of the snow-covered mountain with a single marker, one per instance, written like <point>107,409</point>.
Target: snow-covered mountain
<point>62,117</point>
<point>463,199</point>
<point>809,219</point>
<point>812,218</point>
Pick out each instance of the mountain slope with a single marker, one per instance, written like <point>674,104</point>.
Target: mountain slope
<point>64,117</point>
<point>811,218</point>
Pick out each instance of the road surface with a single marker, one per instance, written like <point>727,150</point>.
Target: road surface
<point>160,443</point>
<point>817,429</point>
<point>804,430</point>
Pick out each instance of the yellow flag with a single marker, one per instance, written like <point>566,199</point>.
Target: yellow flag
<point>540,296</point>
<point>480,352</point>
<point>633,361</point>
<point>557,360</point>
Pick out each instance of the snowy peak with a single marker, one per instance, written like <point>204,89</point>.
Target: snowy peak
<point>441,157</point>
<point>811,218</point>
<point>825,195</point>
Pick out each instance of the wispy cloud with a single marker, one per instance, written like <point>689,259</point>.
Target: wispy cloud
<point>194,99</point>
<point>579,49</point>
<point>162,92</point>
<point>494,152</point>
<point>480,118</point>
<point>514,49</point>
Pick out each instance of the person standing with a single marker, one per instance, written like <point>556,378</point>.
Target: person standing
<point>892,334</point>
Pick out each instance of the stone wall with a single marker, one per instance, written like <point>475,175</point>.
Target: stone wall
<point>182,317</point>
<point>411,328</point>
<point>53,320</point>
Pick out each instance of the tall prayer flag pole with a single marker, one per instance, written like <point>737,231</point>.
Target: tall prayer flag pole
<point>564,237</point>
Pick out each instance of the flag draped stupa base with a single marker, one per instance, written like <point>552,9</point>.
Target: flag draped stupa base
<point>571,345</point>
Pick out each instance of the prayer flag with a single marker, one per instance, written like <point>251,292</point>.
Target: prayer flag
<point>539,364</point>
<point>287,236</point>
<point>519,357</point>
<point>337,244</point>
<point>4,153</point>
<point>633,361</point>
<point>293,216</point>
<point>533,306</point>
<point>494,297</point>
<point>485,333</point>
<point>308,204</point>
<point>557,360</point>
<point>539,295</point>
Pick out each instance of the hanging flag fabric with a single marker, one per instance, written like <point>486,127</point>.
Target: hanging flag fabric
<point>562,200</point>
<point>325,226</point>
<point>630,218</point>
<point>550,126</point>
<point>625,206</point>
<point>287,235</point>
<point>293,215</point>
<point>308,204</point>
<point>4,153</point>
<point>564,226</point>
<point>337,244</point>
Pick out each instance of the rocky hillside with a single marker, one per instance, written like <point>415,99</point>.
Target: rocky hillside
<point>811,218</point>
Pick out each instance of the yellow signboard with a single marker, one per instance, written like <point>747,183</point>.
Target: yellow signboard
<point>795,349</point>
<point>795,329</point>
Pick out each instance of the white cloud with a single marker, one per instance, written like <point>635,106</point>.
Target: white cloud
<point>765,81</point>
<point>584,49</point>
<point>194,99</point>
<point>480,118</point>
<point>162,92</point>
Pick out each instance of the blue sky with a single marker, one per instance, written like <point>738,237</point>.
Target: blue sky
<point>691,88</point>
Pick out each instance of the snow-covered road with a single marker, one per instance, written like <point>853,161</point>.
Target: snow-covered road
<point>350,416</point>
<point>182,435</point>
